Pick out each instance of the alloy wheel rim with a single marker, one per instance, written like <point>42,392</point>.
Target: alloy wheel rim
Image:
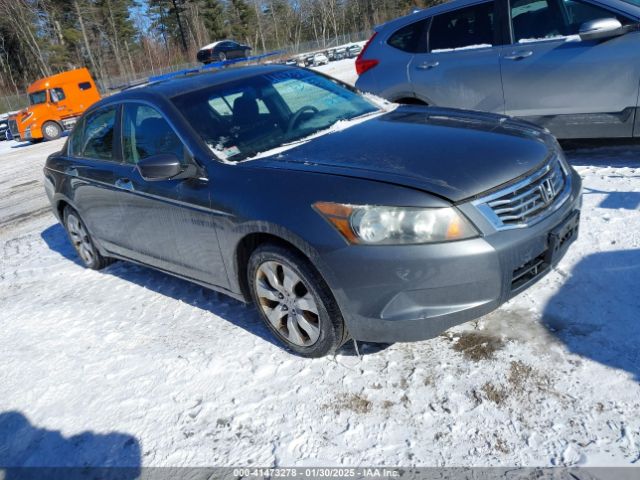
<point>288,304</point>
<point>80,239</point>
<point>51,130</point>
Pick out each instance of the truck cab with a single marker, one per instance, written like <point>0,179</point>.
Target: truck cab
<point>55,103</point>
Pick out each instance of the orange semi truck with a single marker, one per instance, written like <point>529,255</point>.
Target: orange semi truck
<point>55,103</point>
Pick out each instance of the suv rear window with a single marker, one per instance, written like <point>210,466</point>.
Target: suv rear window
<point>464,28</point>
<point>410,38</point>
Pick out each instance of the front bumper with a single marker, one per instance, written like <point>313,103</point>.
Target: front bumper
<point>410,293</point>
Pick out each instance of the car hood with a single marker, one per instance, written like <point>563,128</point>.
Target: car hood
<point>451,153</point>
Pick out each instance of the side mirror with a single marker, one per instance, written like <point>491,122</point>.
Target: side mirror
<point>600,29</point>
<point>163,166</point>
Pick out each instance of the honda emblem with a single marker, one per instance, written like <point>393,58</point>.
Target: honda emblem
<point>547,191</point>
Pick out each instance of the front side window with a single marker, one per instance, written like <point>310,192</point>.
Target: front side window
<point>534,20</point>
<point>578,12</point>
<point>241,119</point>
<point>410,38</point>
<point>465,28</point>
<point>93,136</point>
<point>38,97</point>
<point>146,133</point>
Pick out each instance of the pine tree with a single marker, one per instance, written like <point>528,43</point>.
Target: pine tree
<point>212,13</point>
<point>242,20</point>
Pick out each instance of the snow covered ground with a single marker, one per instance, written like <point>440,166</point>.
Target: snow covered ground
<point>345,70</point>
<point>129,366</point>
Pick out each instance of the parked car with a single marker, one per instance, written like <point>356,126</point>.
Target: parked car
<point>396,226</point>
<point>320,59</point>
<point>4,127</point>
<point>340,54</point>
<point>55,103</point>
<point>572,66</point>
<point>353,50</point>
<point>223,50</point>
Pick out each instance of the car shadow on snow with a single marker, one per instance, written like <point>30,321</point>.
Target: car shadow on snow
<point>234,311</point>
<point>30,452</point>
<point>616,200</point>
<point>596,312</point>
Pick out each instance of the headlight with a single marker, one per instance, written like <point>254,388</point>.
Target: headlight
<point>376,225</point>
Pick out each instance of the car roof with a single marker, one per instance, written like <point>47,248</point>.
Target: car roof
<point>179,85</point>
<point>211,45</point>
<point>427,12</point>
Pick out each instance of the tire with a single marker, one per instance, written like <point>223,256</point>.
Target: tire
<point>51,130</point>
<point>82,242</point>
<point>291,303</point>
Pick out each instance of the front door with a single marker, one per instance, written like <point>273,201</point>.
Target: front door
<point>462,66</point>
<point>573,87</point>
<point>168,224</point>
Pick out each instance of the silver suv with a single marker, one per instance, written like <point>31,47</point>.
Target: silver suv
<point>572,66</point>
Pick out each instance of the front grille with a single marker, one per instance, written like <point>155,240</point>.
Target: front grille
<point>528,200</point>
<point>13,127</point>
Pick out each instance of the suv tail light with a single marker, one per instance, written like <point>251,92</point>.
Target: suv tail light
<point>363,65</point>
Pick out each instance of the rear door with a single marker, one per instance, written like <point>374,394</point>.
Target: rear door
<point>169,223</point>
<point>93,166</point>
<point>574,87</point>
<point>461,66</point>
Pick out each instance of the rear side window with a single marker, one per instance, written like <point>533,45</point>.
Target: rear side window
<point>84,86</point>
<point>146,133</point>
<point>465,28</point>
<point>93,136</point>
<point>410,38</point>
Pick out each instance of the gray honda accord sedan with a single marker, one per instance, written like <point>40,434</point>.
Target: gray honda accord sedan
<point>340,216</point>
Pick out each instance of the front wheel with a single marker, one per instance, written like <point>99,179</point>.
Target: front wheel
<point>82,242</point>
<point>295,302</point>
<point>51,130</point>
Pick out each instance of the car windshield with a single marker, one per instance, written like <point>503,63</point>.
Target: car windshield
<point>38,97</point>
<point>242,119</point>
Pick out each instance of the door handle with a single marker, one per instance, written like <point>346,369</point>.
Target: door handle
<point>71,171</point>
<point>124,184</point>
<point>427,65</point>
<point>519,54</point>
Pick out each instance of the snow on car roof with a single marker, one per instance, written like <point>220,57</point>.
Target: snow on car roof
<point>211,45</point>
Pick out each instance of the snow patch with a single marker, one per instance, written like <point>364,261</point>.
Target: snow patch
<point>566,38</point>
<point>459,49</point>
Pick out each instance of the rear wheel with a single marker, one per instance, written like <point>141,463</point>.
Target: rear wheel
<point>82,242</point>
<point>295,302</point>
<point>51,130</point>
